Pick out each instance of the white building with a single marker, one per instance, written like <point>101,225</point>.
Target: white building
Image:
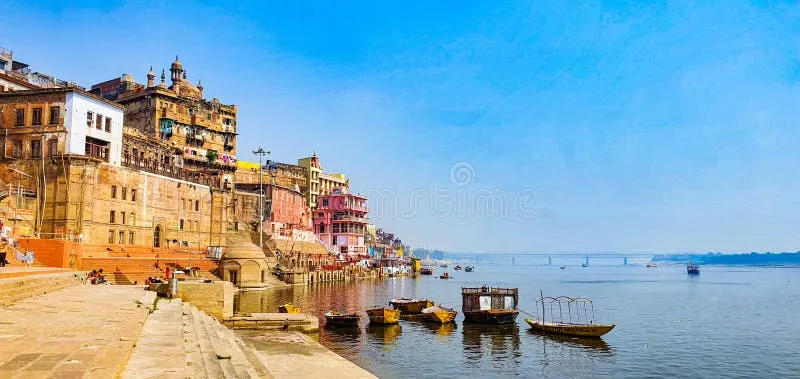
<point>94,126</point>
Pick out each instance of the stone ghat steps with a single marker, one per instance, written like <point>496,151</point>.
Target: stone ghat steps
<point>17,289</point>
<point>106,250</point>
<point>182,342</point>
<point>128,270</point>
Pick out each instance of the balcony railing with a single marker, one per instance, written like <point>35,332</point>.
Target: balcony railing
<point>97,151</point>
<point>173,171</point>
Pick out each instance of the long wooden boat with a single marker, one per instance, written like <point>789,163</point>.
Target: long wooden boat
<point>576,330</point>
<point>469,269</point>
<point>426,271</point>
<point>439,314</point>
<point>410,306</point>
<point>384,316</point>
<point>489,305</point>
<point>335,318</point>
<point>458,267</point>
<point>289,308</point>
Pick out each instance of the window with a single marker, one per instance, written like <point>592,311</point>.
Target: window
<point>55,115</point>
<point>324,202</point>
<point>183,202</point>
<point>16,149</point>
<point>197,226</point>
<point>112,216</point>
<point>121,237</point>
<point>113,192</point>
<point>133,194</point>
<point>19,117</point>
<point>37,116</point>
<point>108,124</point>
<point>89,118</point>
<point>122,218</point>
<point>124,193</point>
<point>132,218</point>
<point>111,236</point>
<point>180,224</point>
<point>52,147</point>
<point>36,149</point>
<point>196,205</point>
<point>99,123</point>
<point>130,238</point>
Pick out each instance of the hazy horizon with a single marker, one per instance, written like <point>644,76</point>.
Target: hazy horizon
<point>521,126</point>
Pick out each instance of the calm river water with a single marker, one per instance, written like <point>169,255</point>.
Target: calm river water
<point>728,322</point>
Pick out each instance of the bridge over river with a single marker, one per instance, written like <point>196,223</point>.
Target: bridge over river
<point>586,257</point>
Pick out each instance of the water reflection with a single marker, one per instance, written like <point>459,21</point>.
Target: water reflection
<point>591,345</point>
<point>384,334</point>
<point>497,345</point>
<point>441,330</point>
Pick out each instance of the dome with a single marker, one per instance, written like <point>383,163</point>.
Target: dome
<point>177,64</point>
<point>243,250</point>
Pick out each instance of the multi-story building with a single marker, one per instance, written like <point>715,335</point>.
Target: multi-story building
<point>319,183</point>
<point>340,221</point>
<point>16,76</point>
<point>201,133</point>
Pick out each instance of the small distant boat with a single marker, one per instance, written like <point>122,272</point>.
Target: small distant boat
<point>426,271</point>
<point>457,268</point>
<point>446,275</point>
<point>563,267</point>
<point>584,265</point>
<point>385,316</point>
<point>443,265</point>
<point>289,308</point>
<point>439,314</point>
<point>579,321</point>
<point>652,264</point>
<point>410,306</point>
<point>693,269</point>
<point>336,318</point>
<point>489,305</point>
<point>469,269</point>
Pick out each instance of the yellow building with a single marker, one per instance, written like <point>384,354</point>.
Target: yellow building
<point>319,183</point>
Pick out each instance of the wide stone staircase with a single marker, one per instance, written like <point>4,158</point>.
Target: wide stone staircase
<point>179,341</point>
<point>129,264</point>
<point>15,289</point>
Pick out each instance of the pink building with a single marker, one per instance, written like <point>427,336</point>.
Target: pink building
<point>340,220</point>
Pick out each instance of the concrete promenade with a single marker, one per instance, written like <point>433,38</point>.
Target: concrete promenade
<point>78,332</point>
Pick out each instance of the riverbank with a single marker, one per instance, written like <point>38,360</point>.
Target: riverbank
<point>123,331</point>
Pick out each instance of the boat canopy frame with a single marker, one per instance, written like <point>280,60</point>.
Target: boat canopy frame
<point>575,306</point>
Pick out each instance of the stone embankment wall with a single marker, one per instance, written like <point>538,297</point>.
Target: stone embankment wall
<point>215,299</point>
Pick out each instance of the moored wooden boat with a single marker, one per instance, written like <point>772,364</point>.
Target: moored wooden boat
<point>289,308</point>
<point>335,318</point>
<point>458,267</point>
<point>576,330</point>
<point>469,269</point>
<point>489,305</point>
<point>446,275</point>
<point>384,316</point>
<point>410,306</point>
<point>426,271</point>
<point>439,314</point>
<point>693,269</point>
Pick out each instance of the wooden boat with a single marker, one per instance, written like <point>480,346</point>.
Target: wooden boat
<point>563,267</point>
<point>567,316</point>
<point>458,267</point>
<point>384,316</point>
<point>426,271</point>
<point>410,306</point>
<point>439,314</point>
<point>469,269</point>
<point>584,330</point>
<point>651,264</point>
<point>443,265</point>
<point>693,269</point>
<point>489,305</point>
<point>584,265</point>
<point>446,275</point>
<point>289,308</point>
<point>335,318</point>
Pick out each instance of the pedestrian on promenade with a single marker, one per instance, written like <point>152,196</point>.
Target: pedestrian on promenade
<point>3,251</point>
<point>101,278</point>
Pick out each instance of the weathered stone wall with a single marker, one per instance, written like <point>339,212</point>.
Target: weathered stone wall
<point>215,298</point>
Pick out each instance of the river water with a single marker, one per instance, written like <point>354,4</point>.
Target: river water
<point>726,322</point>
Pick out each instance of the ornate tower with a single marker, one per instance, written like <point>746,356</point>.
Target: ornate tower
<point>176,71</point>
<point>151,78</point>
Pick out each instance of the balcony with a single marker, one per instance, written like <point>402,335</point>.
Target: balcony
<point>97,151</point>
<point>173,171</point>
<point>351,219</point>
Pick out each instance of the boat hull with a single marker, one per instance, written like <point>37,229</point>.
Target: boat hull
<point>441,317</point>
<point>383,316</point>
<point>491,316</point>
<point>341,321</point>
<point>589,331</point>
<point>411,306</point>
<point>289,308</point>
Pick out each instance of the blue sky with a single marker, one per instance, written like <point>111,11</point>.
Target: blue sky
<point>591,126</point>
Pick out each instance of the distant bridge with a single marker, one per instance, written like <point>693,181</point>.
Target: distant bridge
<point>585,256</point>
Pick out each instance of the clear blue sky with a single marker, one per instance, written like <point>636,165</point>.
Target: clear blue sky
<point>639,127</point>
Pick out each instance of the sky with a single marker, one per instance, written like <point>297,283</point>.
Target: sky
<point>492,126</point>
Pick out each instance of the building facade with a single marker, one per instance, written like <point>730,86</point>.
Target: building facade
<point>17,76</point>
<point>319,183</point>
<point>340,221</point>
